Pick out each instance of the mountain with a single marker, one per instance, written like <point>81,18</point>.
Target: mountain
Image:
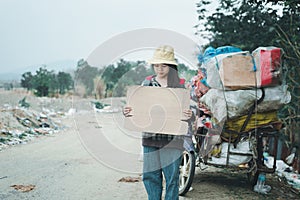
<point>10,76</point>
<point>57,66</point>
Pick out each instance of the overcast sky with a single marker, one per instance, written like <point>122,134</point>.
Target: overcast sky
<point>35,32</point>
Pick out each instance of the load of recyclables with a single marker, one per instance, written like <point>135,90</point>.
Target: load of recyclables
<point>238,95</point>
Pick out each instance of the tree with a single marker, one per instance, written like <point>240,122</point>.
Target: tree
<point>238,23</point>
<point>86,74</point>
<point>53,84</point>
<point>65,82</point>
<point>108,73</point>
<point>46,82</point>
<point>122,68</point>
<point>41,81</point>
<point>134,76</point>
<point>112,75</point>
<point>26,80</point>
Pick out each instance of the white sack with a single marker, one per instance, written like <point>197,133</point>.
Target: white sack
<point>238,102</point>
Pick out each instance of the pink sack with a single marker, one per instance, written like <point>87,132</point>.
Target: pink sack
<point>268,64</point>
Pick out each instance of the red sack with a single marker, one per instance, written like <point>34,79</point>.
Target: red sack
<point>268,65</point>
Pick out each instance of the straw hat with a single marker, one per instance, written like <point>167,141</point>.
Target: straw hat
<point>163,55</point>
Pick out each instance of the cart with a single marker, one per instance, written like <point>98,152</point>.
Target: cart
<point>252,161</point>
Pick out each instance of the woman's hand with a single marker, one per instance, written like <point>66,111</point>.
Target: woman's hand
<point>188,113</point>
<point>126,111</point>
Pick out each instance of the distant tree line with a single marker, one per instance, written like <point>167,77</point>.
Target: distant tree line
<point>113,79</point>
<point>9,84</point>
<point>108,81</point>
<point>47,83</point>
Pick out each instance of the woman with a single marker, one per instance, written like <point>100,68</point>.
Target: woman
<point>162,152</point>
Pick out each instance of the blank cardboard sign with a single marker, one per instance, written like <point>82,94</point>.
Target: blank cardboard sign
<point>157,110</point>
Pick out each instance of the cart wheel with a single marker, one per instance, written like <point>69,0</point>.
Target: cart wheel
<point>253,174</point>
<point>187,172</point>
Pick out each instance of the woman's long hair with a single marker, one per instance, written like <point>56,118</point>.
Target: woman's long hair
<point>173,77</point>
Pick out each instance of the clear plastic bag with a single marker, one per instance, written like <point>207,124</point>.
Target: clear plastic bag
<point>260,186</point>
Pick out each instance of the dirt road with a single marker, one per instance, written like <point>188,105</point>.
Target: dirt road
<point>87,160</point>
<point>60,167</point>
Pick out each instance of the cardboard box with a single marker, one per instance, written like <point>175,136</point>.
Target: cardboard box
<point>232,71</point>
<point>237,71</point>
<point>157,110</point>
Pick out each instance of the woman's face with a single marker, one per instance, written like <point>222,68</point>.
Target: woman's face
<point>161,70</point>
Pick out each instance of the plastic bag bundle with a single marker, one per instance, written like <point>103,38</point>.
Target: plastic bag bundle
<point>228,104</point>
<point>198,85</point>
<point>233,104</point>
